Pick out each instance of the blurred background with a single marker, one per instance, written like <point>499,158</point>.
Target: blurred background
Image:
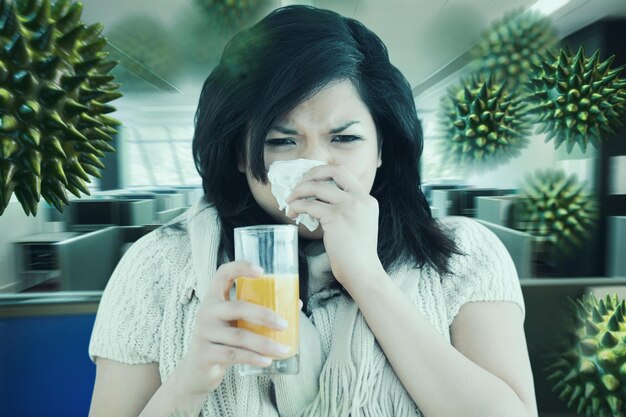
<point>523,131</point>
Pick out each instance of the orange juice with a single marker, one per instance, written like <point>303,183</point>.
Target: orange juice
<point>281,293</point>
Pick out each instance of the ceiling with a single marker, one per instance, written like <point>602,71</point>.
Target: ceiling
<point>423,36</point>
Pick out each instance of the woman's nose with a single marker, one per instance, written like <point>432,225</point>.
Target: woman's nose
<point>318,153</point>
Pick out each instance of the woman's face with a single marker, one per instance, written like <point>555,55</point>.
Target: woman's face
<point>333,126</point>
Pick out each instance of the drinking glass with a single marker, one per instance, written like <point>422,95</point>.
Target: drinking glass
<point>275,249</point>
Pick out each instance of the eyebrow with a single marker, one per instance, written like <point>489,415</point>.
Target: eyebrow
<point>289,131</point>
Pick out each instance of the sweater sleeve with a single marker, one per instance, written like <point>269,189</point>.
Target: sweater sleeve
<point>130,311</point>
<point>485,272</point>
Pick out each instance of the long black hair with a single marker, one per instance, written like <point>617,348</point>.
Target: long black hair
<point>267,70</point>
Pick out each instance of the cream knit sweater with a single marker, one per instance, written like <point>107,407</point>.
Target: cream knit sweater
<point>148,309</point>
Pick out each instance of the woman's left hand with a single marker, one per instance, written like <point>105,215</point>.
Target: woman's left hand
<point>349,217</point>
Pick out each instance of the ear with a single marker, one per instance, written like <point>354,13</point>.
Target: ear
<point>380,158</point>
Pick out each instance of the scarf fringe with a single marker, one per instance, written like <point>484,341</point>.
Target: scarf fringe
<point>353,390</point>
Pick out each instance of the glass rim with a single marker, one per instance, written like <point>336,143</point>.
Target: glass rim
<point>262,227</point>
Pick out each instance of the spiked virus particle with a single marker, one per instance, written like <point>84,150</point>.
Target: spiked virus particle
<point>578,100</point>
<point>200,38</point>
<point>232,12</point>
<point>54,90</point>
<point>588,369</point>
<point>557,207</point>
<point>513,47</point>
<point>483,123</point>
<point>145,50</point>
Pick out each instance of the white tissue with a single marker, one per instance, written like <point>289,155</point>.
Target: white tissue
<point>284,176</point>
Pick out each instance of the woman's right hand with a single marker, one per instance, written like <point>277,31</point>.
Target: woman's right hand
<point>216,344</point>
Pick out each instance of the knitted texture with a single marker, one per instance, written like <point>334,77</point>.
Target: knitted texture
<point>149,306</point>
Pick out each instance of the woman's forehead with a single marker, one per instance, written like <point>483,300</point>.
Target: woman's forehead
<point>336,105</point>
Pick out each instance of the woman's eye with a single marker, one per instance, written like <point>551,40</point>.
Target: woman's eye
<point>345,138</point>
<point>279,142</point>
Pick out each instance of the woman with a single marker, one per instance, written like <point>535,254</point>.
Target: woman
<point>403,316</point>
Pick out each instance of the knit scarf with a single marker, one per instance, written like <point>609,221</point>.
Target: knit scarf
<point>343,370</point>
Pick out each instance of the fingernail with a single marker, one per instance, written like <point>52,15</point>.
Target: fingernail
<point>282,323</point>
<point>257,269</point>
<point>266,361</point>
<point>282,348</point>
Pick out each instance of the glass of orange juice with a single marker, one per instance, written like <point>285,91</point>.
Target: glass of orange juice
<point>275,249</point>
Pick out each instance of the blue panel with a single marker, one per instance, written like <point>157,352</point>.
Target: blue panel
<point>44,366</point>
